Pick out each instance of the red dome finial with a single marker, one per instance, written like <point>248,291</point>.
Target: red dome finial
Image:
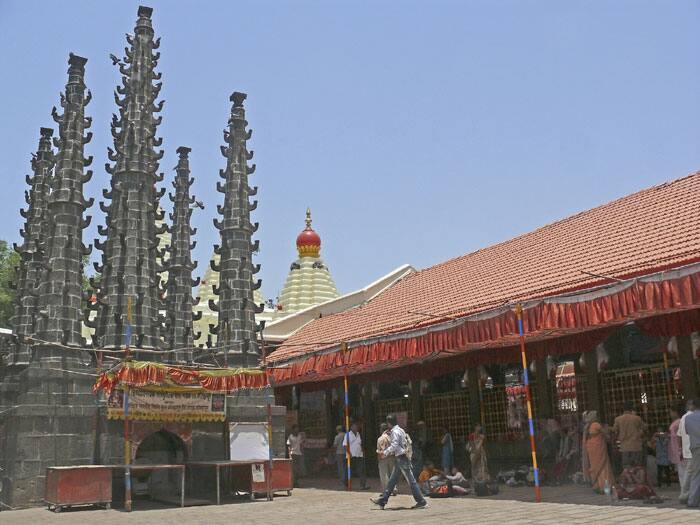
<point>308,241</point>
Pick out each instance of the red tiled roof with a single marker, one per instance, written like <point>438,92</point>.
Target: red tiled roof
<point>647,231</point>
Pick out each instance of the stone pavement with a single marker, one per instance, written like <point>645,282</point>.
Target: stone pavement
<point>319,506</point>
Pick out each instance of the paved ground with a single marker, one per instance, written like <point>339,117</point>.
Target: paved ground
<point>326,506</point>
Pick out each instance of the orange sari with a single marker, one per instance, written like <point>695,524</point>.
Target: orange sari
<point>599,463</point>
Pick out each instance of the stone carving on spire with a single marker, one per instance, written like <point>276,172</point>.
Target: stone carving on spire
<point>130,259</point>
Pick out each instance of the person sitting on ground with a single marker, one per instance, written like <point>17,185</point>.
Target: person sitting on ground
<point>457,478</point>
<point>633,484</point>
<point>564,455</point>
<point>427,475</point>
<point>458,483</point>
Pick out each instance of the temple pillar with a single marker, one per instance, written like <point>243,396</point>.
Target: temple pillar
<point>330,417</point>
<point>544,392</point>
<point>474,397</point>
<point>593,393</point>
<point>686,360</point>
<point>416,402</point>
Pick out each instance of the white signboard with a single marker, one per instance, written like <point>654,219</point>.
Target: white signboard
<point>248,442</point>
<point>258,472</point>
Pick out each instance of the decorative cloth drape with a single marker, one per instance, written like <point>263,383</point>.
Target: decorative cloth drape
<point>667,303</point>
<point>142,374</point>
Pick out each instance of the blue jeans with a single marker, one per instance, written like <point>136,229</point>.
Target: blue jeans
<point>403,466</point>
<point>340,461</point>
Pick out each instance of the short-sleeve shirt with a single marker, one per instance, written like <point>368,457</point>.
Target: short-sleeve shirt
<point>355,441</point>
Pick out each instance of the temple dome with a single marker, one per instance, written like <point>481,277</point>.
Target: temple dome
<point>309,281</point>
<point>308,241</point>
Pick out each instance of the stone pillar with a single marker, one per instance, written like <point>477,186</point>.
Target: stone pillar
<point>544,392</point>
<point>688,365</point>
<point>416,402</point>
<point>590,363</point>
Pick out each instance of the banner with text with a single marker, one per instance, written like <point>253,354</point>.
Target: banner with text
<point>167,406</point>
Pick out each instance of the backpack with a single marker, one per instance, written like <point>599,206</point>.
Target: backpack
<point>408,446</point>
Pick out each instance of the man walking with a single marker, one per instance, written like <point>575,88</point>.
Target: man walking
<point>400,449</point>
<point>385,464</point>
<point>629,429</point>
<point>353,440</point>
<point>692,428</point>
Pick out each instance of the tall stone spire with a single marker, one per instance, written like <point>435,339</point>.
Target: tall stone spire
<point>178,300</point>
<point>61,290</point>
<point>31,251</point>
<point>236,329</point>
<point>130,262</point>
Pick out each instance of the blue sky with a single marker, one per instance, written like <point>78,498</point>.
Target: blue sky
<point>416,131</point>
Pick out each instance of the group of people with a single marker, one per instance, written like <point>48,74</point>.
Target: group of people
<point>602,452</point>
<point>679,446</point>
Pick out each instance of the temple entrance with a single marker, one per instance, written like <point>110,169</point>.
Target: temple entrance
<point>163,448</point>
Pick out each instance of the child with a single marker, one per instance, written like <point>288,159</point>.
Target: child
<point>663,469</point>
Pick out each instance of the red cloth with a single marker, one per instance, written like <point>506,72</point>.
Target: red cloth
<point>552,327</point>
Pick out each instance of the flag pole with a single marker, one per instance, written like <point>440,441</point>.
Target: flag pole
<point>344,348</point>
<point>528,394</point>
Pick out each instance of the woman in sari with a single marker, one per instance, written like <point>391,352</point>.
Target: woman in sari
<point>596,449</point>
<point>477,455</point>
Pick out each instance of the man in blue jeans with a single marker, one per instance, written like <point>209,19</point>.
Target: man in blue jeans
<point>398,448</point>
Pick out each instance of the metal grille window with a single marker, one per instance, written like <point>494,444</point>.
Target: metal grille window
<point>449,410</point>
<point>651,389</point>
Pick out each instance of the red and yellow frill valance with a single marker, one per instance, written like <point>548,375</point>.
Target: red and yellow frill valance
<point>158,376</point>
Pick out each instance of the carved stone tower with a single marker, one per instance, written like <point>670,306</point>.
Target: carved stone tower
<point>130,265</point>
<point>61,291</point>
<point>236,329</point>
<point>179,302</point>
<point>31,251</point>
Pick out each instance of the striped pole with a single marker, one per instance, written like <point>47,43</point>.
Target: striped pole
<point>528,396</point>
<point>127,442</point>
<point>344,348</point>
<point>269,416</point>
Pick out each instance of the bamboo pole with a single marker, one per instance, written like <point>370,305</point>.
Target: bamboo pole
<point>127,442</point>
<point>268,478</point>
<point>344,348</point>
<point>528,394</point>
